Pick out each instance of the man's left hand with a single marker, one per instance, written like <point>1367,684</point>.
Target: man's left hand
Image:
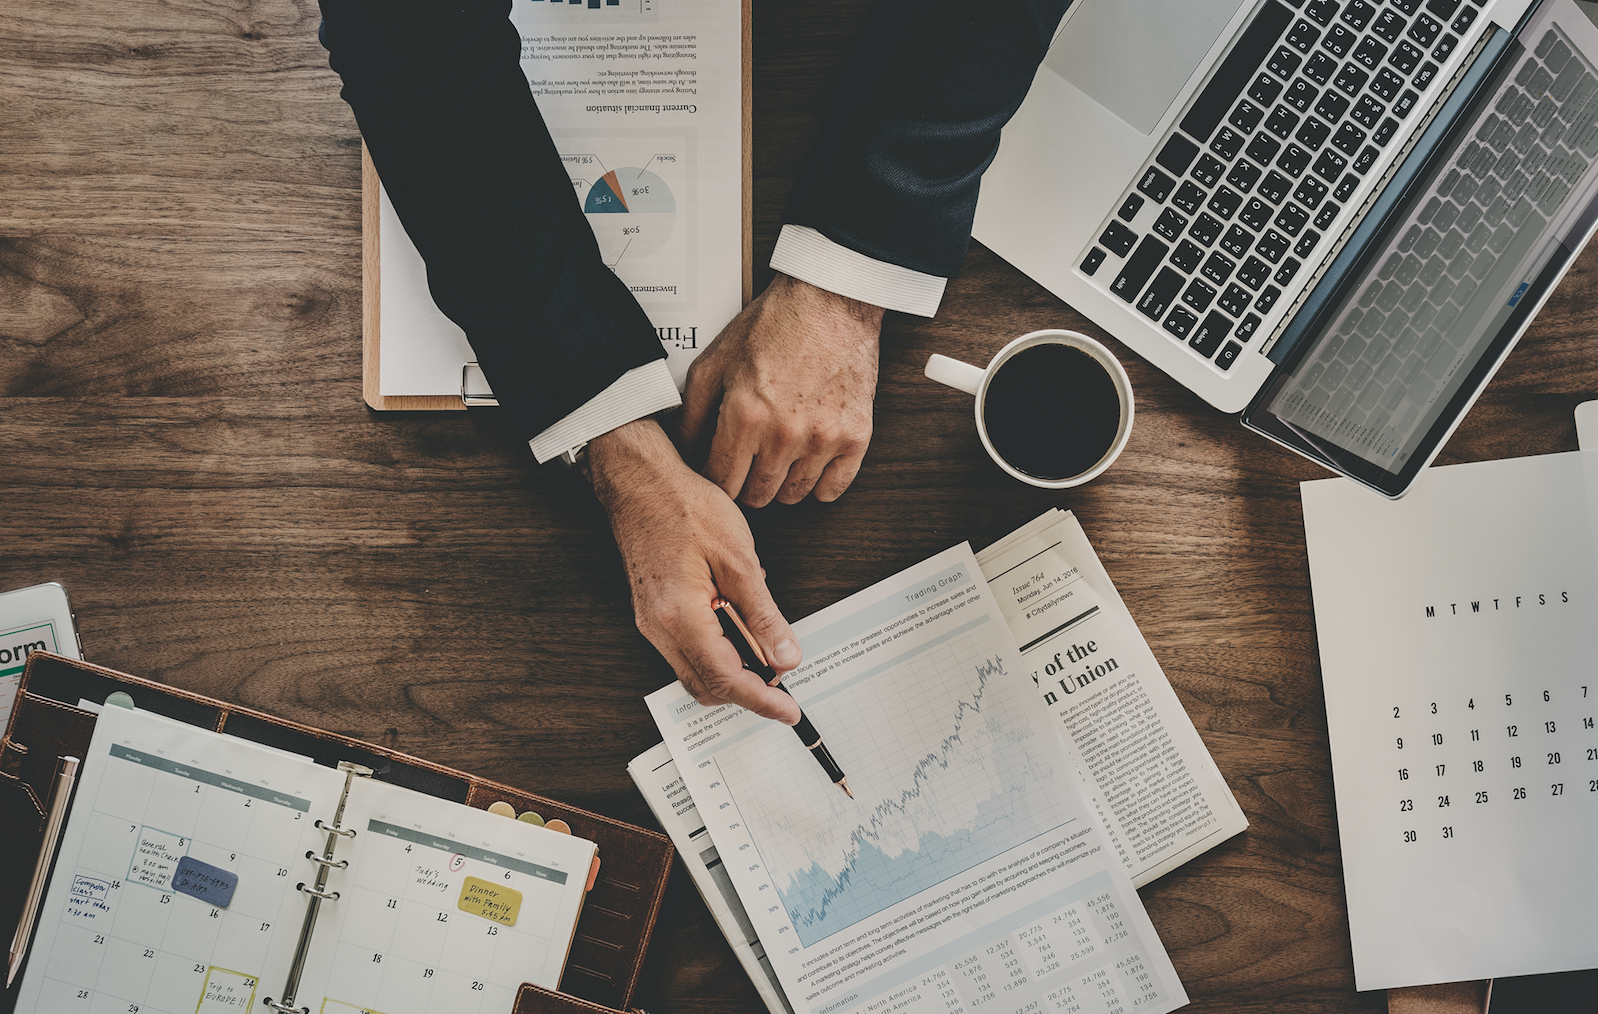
<point>794,377</point>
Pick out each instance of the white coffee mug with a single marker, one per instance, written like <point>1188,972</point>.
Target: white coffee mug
<point>977,381</point>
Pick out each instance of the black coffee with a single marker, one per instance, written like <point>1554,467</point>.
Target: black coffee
<point>1052,411</point>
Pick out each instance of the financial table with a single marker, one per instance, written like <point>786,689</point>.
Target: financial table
<point>185,448</point>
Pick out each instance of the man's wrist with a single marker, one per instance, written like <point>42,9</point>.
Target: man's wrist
<point>817,299</point>
<point>640,444</point>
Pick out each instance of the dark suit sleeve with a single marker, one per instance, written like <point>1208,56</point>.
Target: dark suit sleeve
<point>438,91</point>
<point>914,121</point>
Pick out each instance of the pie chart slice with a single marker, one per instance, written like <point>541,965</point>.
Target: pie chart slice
<point>605,197</point>
<point>645,200</point>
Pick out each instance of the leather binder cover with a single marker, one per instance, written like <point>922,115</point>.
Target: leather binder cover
<point>618,915</point>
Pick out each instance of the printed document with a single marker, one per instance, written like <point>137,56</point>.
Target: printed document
<point>644,100</point>
<point>968,872</point>
<point>1151,782</point>
<point>1457,644</point>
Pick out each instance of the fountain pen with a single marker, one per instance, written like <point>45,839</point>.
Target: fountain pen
<point>732,625</point>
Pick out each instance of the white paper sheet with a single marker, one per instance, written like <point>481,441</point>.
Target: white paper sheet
<point>1457,640</point>
<point>644,99</point>
<point>1146,773</point>
<point>968,872</point>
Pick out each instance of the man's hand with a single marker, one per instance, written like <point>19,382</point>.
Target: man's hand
<point>684,543</point>
<point>794,376</point>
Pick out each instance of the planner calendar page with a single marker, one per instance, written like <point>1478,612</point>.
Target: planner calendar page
<point>443,909</point>
<point>1457,635</point>
<point>174,889</point>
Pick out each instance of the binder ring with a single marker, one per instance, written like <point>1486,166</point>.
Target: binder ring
<point>325,895</point>
<point>332,864</point>
<point>348,832</point>
<point>285,1008</point>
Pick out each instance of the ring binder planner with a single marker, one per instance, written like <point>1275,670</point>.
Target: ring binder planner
<point>206,833</point>
<point>319,893</point>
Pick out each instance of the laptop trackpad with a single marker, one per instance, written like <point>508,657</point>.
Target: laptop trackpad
<point>1133,56</point>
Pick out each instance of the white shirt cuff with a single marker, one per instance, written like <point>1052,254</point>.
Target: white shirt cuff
<point>641,391</point>
<point>811,257</point>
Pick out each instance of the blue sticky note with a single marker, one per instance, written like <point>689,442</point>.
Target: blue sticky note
<point>201,880</point>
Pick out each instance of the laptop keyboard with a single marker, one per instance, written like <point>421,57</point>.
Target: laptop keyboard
<point>1455,259</point>
<point>1247,185</point>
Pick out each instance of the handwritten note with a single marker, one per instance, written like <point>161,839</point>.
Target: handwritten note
<point>156,858</point>
<point>89,900</point>
<point>206,882</point>
<point>493,902</point>
<point>226,990</point>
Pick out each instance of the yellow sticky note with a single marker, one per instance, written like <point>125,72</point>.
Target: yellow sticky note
<point>492,901</point>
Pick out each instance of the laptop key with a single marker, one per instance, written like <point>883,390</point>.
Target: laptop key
<point>1156,184</point>
<point>1338,41</point>
<point>1208,171</point>
<point>1118,239</point>
<point>1243,176</point>
<point>1282,122</point>
<point>1264,90</point>
<point>1405,57</point>
<point>1237,240</point>
<point>1294,160</point>
<point>1188,197</point>
<point>1306,243</point>
<point>1327,214</point>
<point>1467,17</point>
<point>1234,300</point>
<point>1218,268</point>
<point>1284,62</point>
<point>1091,262</point>
<point>1386,84</point>
<point>1245,117</point>
<point>1348,139</point>
<point>1424,29</point>
<point>1130,207</point>
<point>1205,229</point>
<point>1292,219</point>
<point>1301,95</point>
<point>1272,246</point>
<point>1227,143</point>
<point>1358,13</point>
<point>1322,11</point>
<point>1228,355</point>
<point>1331,107</point>
<point>1285,273</point>
<point>1267,299</point>
<point>1389,25</point>
<point>1442,8</point>
<point>1303,36</point>
<point>1319,67</point>
<point>1367,158</point>
<point>1253,273</point>
<point>1180,322</point>
<point>1405,103</point>
<point>1256,214</point>
<point>1310,192</point>
<point>1161,294</point>
<point>1187,256</point>
<point>1150,251</point>
<point>1444,48</point>
<point>1381,135</point>
<point>1246,329</point>
<point>1423,77</point>
<point>1170,224</point>
<point>1199,295</point>
<point>1330,165</point>
<point>1366,112</point>
<point>1275,187</point>
<point>1346,188</point>
<point>1177,154</point>
<point>1369,53</point>
<point>1209,336</point>
<point>1225,202</point>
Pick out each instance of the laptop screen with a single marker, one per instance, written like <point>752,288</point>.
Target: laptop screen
<point>1424,314</point>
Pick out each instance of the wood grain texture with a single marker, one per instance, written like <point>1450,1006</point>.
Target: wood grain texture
<point>185,447</point>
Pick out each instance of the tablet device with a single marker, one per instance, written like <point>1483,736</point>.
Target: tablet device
<point>32,619</point>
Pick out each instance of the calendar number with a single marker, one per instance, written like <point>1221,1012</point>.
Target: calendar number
<point>443,917</point>
<point>1592,785</point>
<point>427,973</point>
<point>1592,753</point>
<point>149,953</point>
<point>1403,774</point>
<point>1395,712</point>
<point>166,899</point>
<point>1513,730</point>
<point>1481,797</point>
<point>1448,832</point>
<point>1401,742</point>
<point>393,903</point>
<point>1409,836</point>
<point>83,994</point>
<point>493,931</point>
<point>1553,758</point>
<point>1440,769</point>
<point>1514,762</point>
<point>1405,804</point>
<point>377,959</point>
<point>477,985</point>
<point>1477,766</point>
<point>1434,707</point>
<point>1548,727</point>
<point>99,939</point>
<point>1558,789</point>
<point>1586,723</point>
<point>1520,792</point>
<point>1442,801</point>
<point>1437,739</point>
<point>199,969</point>
<point>1475,735</point>
<point>1546,698</point>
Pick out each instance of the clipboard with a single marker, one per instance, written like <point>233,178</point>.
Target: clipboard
<point>618,917</point>
<point>474,389</point>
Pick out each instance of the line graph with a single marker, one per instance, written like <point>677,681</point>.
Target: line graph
<point>945,775</point>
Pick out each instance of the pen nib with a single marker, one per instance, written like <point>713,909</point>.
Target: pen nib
<point>843,783</point>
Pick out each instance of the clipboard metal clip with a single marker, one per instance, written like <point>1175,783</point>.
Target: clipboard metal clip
<point>475,392</point>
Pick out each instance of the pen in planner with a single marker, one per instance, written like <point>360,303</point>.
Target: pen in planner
<point>732,625</point>
<point>66,773</point>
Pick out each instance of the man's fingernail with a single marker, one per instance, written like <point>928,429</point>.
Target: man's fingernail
<point>787,653</point>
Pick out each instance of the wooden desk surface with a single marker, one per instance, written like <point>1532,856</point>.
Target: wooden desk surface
<point>184,446</point>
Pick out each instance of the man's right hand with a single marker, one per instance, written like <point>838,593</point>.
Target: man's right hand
<point>684,543</point>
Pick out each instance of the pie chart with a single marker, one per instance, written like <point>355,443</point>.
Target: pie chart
<point>632,212</point>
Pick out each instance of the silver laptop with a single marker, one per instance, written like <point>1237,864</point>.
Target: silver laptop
<point>1333,216</point>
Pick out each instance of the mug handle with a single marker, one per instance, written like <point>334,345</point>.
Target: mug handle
<point>955,374</point>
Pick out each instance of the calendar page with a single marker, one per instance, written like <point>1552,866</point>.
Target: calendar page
<point>1458,637</point>
<point>174,891</point>
<point>444,909</point>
